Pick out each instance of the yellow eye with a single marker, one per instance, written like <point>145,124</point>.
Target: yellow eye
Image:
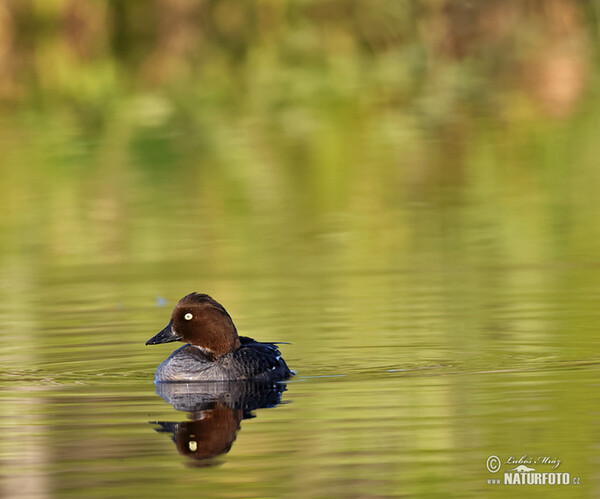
<point>188,316</point>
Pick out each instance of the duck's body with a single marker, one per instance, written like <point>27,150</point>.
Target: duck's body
<point>252,360</point>
<point>215,352</point>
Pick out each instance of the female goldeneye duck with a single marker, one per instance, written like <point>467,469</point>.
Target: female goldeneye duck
<point>214,351</point>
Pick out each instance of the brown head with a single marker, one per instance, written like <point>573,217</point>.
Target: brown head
<point>203,322</point>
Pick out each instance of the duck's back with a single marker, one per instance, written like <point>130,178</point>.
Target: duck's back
<point>255,360</point>
<point>252,360</point>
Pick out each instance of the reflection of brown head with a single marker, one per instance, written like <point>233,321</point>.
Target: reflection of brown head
<point>210,436</point>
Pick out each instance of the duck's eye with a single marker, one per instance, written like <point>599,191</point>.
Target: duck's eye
<point>188,316</point>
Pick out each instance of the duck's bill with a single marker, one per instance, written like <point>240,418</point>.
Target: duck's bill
<point>167,335</point>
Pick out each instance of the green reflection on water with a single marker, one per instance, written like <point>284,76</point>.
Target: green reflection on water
<point>407,194</point>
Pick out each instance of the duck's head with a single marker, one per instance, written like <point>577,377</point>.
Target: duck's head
<point>201,321</point>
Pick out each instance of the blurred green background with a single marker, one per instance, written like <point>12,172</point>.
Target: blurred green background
<point>405,190</point>
<point>269,123</point>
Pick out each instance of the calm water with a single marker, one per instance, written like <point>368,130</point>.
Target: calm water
<point>407,196</point>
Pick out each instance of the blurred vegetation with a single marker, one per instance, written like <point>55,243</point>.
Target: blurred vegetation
<point>119,110</point>
<point>252,134</point>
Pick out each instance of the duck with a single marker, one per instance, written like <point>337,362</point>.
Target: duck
<point>214,351</point>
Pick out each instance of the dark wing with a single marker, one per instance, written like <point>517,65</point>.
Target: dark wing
<point>254,360</point>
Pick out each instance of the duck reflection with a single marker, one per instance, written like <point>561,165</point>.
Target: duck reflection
<point>216,410</point>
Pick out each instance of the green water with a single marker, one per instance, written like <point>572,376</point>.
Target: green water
<point>406,194</point>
